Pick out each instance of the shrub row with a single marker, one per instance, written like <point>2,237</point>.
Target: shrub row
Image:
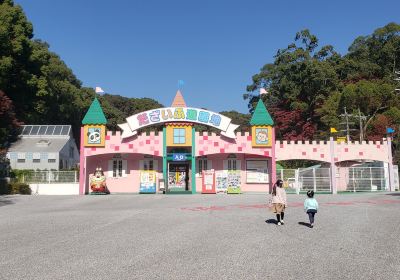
<point>14,188</point>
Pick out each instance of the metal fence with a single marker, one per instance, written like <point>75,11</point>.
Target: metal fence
<point>348,179</point>
<point>304,179</point>
<point>49,177</point>
<point>358,179</point>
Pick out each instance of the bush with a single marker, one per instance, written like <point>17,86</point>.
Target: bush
<point>20,188</point>
<point>5,187</point>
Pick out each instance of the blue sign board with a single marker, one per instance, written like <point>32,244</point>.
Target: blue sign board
<point>178,157</point>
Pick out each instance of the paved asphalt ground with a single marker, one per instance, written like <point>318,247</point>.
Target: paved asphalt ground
<point>198,237</point>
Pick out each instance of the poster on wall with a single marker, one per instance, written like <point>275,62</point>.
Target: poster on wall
<point>233,181</point>
<point>221,181</point>
<point>208,185</point>
<point>147,181</point>
<point>257,171</point>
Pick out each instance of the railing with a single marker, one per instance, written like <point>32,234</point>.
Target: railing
<point>50,177</point>
<point>348,179</point>
<point>367,179</point>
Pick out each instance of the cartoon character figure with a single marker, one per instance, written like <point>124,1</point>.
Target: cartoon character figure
<point>94,136</point>
<point>262,136</point>
<point>98,181</point>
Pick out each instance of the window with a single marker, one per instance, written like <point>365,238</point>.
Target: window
<point>21,160</point>
<point>179,136</point>
<point>36,160</point>
<point>232,165</point>
<point>51,160</point>
<point>202,165</point>
<point>117,168</point>
<point>148,165</point>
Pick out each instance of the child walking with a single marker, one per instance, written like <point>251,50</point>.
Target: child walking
<point>279,201</point>
<point>311,207</point>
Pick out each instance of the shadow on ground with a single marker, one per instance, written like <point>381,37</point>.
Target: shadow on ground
<point>4,201</point>
<point>304,224</point>
<point>272,221</point>
<point>394,194</point>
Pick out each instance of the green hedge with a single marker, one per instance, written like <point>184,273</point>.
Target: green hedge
<point>14,188</point>
<point>20,188</point>
<point>5,188</point>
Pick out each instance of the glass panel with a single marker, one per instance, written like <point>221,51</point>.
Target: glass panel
<point>50,130</point>
<point>57,130</point>
<point>120,168</point>
<point>65,130</point>
<point>27,130</point>
<point>176,132</point>
<point>34,130</point>
<point>114,168</point>
<point>42,129</point>
<point>151,165</point>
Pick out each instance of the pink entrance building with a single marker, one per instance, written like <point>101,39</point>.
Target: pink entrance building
<point>178,159</point>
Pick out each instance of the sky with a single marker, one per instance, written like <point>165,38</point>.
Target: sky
<point>143,48</point>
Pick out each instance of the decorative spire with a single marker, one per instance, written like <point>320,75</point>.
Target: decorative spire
<point>178,100</point>
<point>261,115</point>
<point>95,114</point>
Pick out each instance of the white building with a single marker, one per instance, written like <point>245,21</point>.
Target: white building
<point>44,147</point>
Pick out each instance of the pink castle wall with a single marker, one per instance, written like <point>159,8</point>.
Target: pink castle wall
<point>143,144</point>
<point>128,184</point>
<point>217,148</point>
<point>132,149</point>
<point>210,143</point>
<point>320,150</point>
<point>217,165</point>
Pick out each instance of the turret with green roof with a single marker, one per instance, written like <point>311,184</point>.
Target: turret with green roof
<point>95,114</point>
<point>261,115</point>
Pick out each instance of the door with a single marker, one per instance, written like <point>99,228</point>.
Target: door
<point>178,177</point>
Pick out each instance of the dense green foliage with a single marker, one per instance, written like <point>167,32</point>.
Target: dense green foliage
<point>39,86</point>
<point>310,86</point>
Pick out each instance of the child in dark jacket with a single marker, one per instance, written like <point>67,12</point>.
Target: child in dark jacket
<point>311,207</point>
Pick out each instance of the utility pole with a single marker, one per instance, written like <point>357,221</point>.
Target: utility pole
<point>347,125</point>
<point>361,128</point>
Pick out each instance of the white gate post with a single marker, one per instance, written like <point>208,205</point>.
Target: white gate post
<point>370,176</point>
<point>314,180</point>
<point>333,166</point>
<point>390,159</point>
<point>296,180</point>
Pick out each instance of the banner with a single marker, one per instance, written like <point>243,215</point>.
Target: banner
<point>147,181</point>
<point>178,114</point>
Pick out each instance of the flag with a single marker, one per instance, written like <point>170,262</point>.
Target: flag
<point>333,130</point>
<point>180,84</point>
<point>99,90</point>
<point>263,91</point>
<point>389,130</point>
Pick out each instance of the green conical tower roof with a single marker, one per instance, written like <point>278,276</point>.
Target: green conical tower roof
<point>95,114</point>
<point>261,115</point>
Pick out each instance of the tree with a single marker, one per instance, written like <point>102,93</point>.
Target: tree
<point>299,81</point>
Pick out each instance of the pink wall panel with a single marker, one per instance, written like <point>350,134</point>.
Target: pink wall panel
<point>127,184</point>
<point>145,144</point>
